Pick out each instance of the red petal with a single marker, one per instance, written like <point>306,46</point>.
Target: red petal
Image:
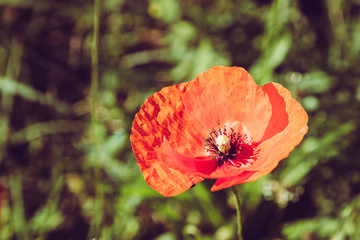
<point>226,182</point>
<point>284,132</point>
<point>204,166</point>
<point>224,94</point>
<point>279,146</point>
<point>279,118</point>
<point>201,166</point>
<point>162,115</point>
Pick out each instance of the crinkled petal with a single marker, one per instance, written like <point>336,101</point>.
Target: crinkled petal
<point>162,116</point>
<point>228,94</point>
<point>279,146</point>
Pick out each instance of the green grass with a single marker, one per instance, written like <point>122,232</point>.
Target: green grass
<point>73,74</point>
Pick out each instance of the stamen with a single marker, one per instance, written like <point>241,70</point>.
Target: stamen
<point>227,147</point>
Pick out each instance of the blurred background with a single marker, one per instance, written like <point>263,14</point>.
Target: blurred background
<point>55,185</point>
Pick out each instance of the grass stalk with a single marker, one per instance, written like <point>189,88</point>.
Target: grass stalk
<point>95,228</point>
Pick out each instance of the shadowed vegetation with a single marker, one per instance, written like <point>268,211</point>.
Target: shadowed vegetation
<point>69,171</point>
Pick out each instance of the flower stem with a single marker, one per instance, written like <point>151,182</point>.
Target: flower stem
<point>95,226</point>
<point>238,212</point>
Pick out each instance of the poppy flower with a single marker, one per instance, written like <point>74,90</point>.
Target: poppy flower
<point>222,125</point>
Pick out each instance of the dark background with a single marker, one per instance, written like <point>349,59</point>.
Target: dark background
<point>58,188</point>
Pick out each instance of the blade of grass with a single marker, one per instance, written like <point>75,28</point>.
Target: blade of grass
<point>18,215</point>
<point>7,97</point>
<point>97,216</point>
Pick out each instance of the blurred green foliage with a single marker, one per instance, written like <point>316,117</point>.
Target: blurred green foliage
<point>47,161</point>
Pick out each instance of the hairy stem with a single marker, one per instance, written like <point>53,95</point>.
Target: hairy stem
<point>238,212</point>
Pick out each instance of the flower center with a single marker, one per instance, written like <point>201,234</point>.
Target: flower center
<point>223,143</point>
<point>226,146</point>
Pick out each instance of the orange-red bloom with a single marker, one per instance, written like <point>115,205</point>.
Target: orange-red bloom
<point>221,125</point>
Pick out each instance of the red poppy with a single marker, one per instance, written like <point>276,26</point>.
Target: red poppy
<point>221,125</point>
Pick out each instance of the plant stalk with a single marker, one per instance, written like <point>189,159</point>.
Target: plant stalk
<point>238,212</point>
<point>95,229</point>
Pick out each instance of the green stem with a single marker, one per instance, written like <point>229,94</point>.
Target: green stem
<point>7,97</point>
<point>18,215</point>
<point>95,62</point>
<point>238,212</point>
<point>95,230</point>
